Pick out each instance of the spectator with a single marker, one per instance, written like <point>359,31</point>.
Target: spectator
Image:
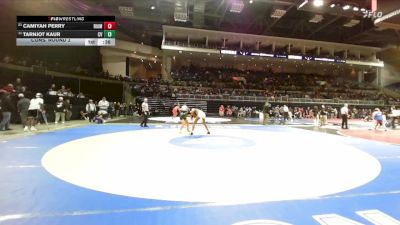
<point>175,110</point>
<point>9,88</point>
<point>229,111</point>
<point>80,95</point>
<point>103,107</point>
<point>323,116</point>
<point>36,105</point>
<point>266,110</point>
<point>60,110</point>
<point>111,109</point>
<point>7,59</point>
<point>52,90</point>
<point>69,93</point>
<point>63,91</point>
<point>68,110</point>
<point>22,107</point>
<point>241,112</point>
<point>99,119</point>
<point>117,106</point>
<point>285,110</point>
<point>221,110</point>
<point>394,114</point>
<point>19,88</point>
<point>91,110</point>
<point>6,110</point>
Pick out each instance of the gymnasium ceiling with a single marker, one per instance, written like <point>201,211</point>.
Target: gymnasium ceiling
<point>142,20</point>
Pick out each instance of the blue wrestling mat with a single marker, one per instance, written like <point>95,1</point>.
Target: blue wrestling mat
<point>242,175</point>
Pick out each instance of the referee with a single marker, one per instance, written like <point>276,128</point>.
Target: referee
<point>146,113</point>
<point>344,111</point>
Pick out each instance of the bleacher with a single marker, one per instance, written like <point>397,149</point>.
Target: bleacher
<point>163,106</point>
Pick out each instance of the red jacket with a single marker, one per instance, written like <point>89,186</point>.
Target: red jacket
<point>9,89</point>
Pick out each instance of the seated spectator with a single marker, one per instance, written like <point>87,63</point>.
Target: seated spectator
<point>80,95</point>
<point>78,69</point>
<point>99,118</point>
<point>69,93</point>
<point>8,59</point>
<point>83,115</point>
<point>63,91</point>
<point>52,90</point>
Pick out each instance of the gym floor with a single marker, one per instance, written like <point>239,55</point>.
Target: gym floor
<point>242,173</point>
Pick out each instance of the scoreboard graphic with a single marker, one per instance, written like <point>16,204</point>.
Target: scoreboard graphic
<point>66,30</point>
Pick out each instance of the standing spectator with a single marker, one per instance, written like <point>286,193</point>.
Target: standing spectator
<point>241,112</point>
<point>122,107</point>
<point>323,116</point>
<point>335,113</point>
<point>145,112</point>
<point>344,112</point>
<point>18,85</point>
<point>130,109</point>
<point>103,107</point>
<point>91,110</point>
<point>276,113</point>
<point>285,113</point>
<point>22,107</point>
<point>111,109</point>
<point>290,113</point>
<point>175,110</point>
<point>9,88</point>
<point>117,106</point>
<point>394,114</point>
<point>35,106</point>
<point>266,109</point>
<point>316,115</point>
<point>68,109</point>
<point>221,110</point>
<point>60,110</point>
<point>301,113</point>
<point>229,111</point>
<point>6,108</point>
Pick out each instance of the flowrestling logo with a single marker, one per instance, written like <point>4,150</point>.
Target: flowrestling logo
<point>372,15</point>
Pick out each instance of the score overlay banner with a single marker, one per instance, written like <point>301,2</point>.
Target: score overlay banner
<point>66,31</point>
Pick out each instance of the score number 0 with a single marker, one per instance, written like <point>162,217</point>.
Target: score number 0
<point>109,29</point>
